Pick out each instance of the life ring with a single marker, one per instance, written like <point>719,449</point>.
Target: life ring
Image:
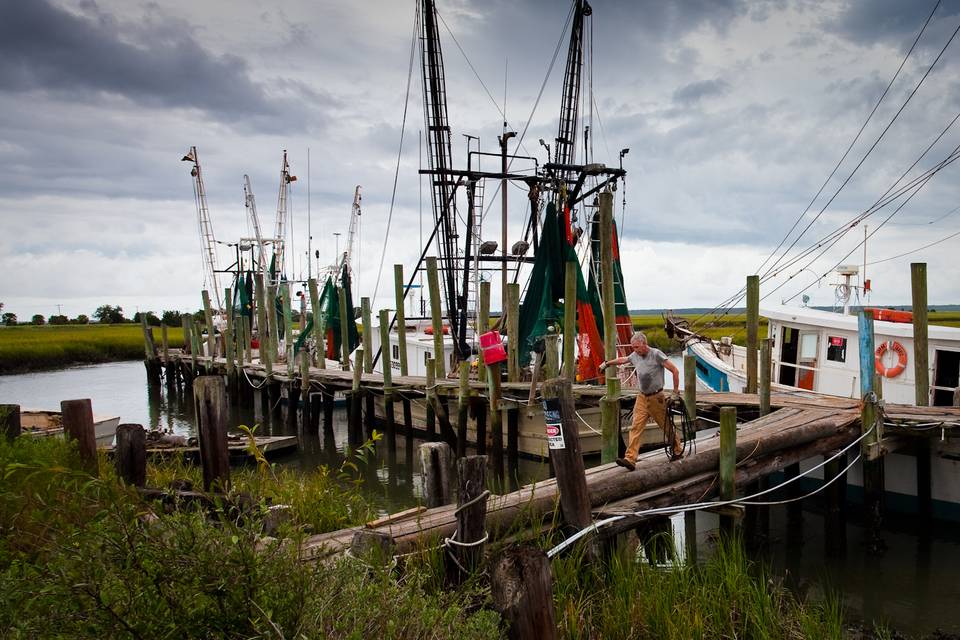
<point>895,370</point>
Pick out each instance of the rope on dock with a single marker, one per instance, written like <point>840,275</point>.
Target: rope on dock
<point>712,505</point>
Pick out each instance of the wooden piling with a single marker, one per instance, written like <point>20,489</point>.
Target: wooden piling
<point>563,440</point>
<point>228,348</point>
<point>471,517</point>
<point>77,418</point>
<point>834,522</point>
<point>610,403</point>
<point>327,401</point>
<point>288,329</point>
<point>263,326</point>
<point>483,325</point>
<point>10,421</point>
<point>373,546</point>
<point>521,586</point>
<point>130,454</point>
<point>550,353</point>
<point>436,318</point>
<point>766,363</point>
<point>208,319</point>
<point>436,467</point>
<point>753,330</point>
<point>481,417</point>
<point>273,324</point>
<point>569,319</point>
<point>690,385</point>
<point>463,408</point>
<point>430,391</point>
<point>151,361</point>
<point>728,460</point>
<point>320,359</point>
<point>398,286</point>
<point>210,401</point>
<point>387,366</point>
<point>367,324</point>
<point>513,332</point>
<point>496,422</point>
<point>305,400</point>
<point>921,373</point>
<point>164,342</point>
<point>871,428</point>
<point>355,425</point>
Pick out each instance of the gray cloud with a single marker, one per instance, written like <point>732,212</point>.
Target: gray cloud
<point>694,92</point>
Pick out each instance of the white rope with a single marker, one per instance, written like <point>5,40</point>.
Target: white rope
<point>470,503</point>
<point>452,541</point>
<point>255,387</point>
<point>711,505</point>
<point>587,424</point>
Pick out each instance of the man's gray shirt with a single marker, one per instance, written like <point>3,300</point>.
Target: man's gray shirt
<point>649,370</point>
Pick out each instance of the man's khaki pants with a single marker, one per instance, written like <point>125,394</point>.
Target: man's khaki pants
<point>654,406</point>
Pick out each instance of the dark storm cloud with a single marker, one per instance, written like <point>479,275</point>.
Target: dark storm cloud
<point>696,91</point>
<point>160,64</point>
<point>895,20</point>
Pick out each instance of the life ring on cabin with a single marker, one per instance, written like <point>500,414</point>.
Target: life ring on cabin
<point>429,330</point>
<point>895,370</point>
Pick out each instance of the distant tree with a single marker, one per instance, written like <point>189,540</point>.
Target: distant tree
<point>81,319</point>
<point>108,314</point>
<point>199,316</point>
<point>38,319</point>
<point>152,318</point>
<point>172,318</point>
<point>10,319</point>
<point>58,319</point>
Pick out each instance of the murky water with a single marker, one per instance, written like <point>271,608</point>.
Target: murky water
<point>913,587</point>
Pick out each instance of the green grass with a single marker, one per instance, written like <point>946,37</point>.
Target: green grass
<point>30,348</point>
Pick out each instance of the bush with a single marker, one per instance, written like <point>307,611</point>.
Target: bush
<point>58,319</point>
<point>37,319</point>
<point>10,319</point>
<point>81,319</point>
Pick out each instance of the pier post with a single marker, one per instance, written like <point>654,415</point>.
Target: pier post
<point>169,368</point>
<point>77,418</point>
<point>210,402</point>
<point>10,421</point>
<point>873,480</point>
<point>569,319</point>
<point>430,393</point>
<point>563,441</point>
<point>496,419</point>
<point>151,361</point>
<point>346,317</point>
<point>436,465</point>
<point>273,323</point>
<point>610,403</point>
<point>728,462</point>
<point>436,318</point>
<point>401,323</point>
<point>483,325</point>
<point>228,349</point>
<point>387,366</point>
<point>463,408</point>
<point>288,329</point>
<point>355,428</point>
<point>834,521</point>
<point>130,454</point>
<point>366,323</point>
<point>480,411</point>
<point>327,401</point>
<point>320,358</point>
<point>521,586</point>
<point>305,401</point>
<point>471,517</point>
<point>551,354</point>
<point>189,344</point>
<point>513,332</point>
<point>766,361</point>
<point>753,329</point>
<point>208,319</point>
<point>263,327</point>
<point>690,386</point>
<point>513,446</point>
<point>921,373</point>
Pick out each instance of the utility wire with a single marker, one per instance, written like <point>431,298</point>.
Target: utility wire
<point>906,253</point>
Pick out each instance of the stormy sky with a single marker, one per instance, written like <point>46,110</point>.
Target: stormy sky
<point>735,114</point>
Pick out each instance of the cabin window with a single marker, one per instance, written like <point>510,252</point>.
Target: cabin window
<point>396,352</point>
<point>426,357</point>
<point>808,346</point>
<point>836,349</point>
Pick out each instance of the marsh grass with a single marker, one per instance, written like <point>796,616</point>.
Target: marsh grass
<point>30,348</point>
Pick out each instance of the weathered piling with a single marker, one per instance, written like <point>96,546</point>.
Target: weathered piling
<point>130,455</point>
<point>436,318</point>
<point>10,421</point>
<point>496,421</point>
<point>569,319</point>
<point>690,385</point>
<point>263,326</point>
<point>563,442</point>
<point>463,408</point>
<point>208,319</point>
<point>229,350</point>
<point>728,461</point>
<point>346,317</point>
<point>287,329</point>
<point>210,402</point>
<point>512,312</point>
<point>387,365</point>
<point>753,330</point>
<point>834,521</point>
<point>366,323</point>
<point>467,545</point>
<point>150,361</point>
<point>483,325</point>
<point>401,322</point>
<point>921,373</point>
<point>306,403</point>
<point>550,354</point>
<point>355,418</point>
<point>320,357</point>
<point>871,428</point>
<point>327,401</point>
<point>430,392</point>
<point>77,417</point>
<point>610,403</point>
<point>766,361</point>
<point>436,466</point>
<point>521,586</point>
<point>513,445</point>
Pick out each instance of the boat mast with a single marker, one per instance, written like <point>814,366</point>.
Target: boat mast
<point>207,240</point>
<point>278,234</point>
<point>251,206</point>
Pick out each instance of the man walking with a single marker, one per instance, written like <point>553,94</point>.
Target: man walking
<point>649,364</point>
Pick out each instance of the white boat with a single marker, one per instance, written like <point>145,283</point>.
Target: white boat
<point>818,351</point>
<point>41,423</point>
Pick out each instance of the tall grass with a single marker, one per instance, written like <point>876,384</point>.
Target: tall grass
<point>30,348</point>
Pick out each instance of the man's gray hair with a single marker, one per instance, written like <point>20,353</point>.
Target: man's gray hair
<point>638,337</point>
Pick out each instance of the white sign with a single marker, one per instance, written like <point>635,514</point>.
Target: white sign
<point>551,419</point>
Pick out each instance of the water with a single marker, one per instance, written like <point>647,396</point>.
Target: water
<point>913,587</point>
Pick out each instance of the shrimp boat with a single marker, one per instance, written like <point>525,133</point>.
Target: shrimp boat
<point>40,423</point>
<point>817,351</point>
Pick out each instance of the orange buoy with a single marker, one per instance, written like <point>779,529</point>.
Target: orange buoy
<point>895,370</point>
<point>429,330</point>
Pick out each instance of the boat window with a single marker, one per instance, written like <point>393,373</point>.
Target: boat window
<point>426,357</point>
<point>836,349</point>
<point>808,346</point>
<point>396,352</point>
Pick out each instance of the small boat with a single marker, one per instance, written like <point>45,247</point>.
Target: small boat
<point>42,423</point>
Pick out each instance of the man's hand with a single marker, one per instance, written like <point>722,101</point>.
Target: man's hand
<point>603,365</point>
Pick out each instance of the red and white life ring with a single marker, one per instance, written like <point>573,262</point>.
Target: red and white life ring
<point>895,370</point>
